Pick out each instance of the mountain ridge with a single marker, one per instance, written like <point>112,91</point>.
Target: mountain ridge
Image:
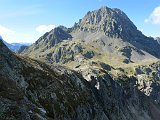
<point>15,46</point>
<point>108,30</point>
<point>116,24</point>
<point>83,75</point>
<point>110,21</point>
<point>36,90</point>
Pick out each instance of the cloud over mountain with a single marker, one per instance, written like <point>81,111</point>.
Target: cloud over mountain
<point>6,31</point>
<point>154,17</point>
<point>45,28</point>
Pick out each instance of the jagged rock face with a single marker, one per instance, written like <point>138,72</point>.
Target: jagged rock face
<point>68,52</point>
<point>113,22</point>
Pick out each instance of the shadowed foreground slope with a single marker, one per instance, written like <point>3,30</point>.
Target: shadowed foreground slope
<point>31,90</point>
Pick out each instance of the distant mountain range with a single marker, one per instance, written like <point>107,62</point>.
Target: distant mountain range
<point>15,46</point>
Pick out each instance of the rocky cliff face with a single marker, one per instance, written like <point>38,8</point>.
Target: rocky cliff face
<point>109,21</point>
<point>114,23</point>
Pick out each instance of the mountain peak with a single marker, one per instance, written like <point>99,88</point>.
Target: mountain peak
<point>49,39</point>
<point>113,22</point>
<point>55,36</point>
<point>106,29</point>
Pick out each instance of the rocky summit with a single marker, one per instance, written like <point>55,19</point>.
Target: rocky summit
<point>101,35</point>
<point>113,22</point>
<point>102,68</point>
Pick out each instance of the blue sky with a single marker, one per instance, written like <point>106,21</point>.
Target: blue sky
<point>27,20</point>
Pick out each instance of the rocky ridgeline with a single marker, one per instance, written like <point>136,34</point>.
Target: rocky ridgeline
<point>94,90</point>
<point>106,30</point>
<point>113,22</point>
<point>48,40</point>
<point>31,89</point>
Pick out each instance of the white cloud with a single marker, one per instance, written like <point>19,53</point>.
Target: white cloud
<point>154,17</point>
<point>45,28</point>
<point>20,37</point>
<point>6,31</point>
